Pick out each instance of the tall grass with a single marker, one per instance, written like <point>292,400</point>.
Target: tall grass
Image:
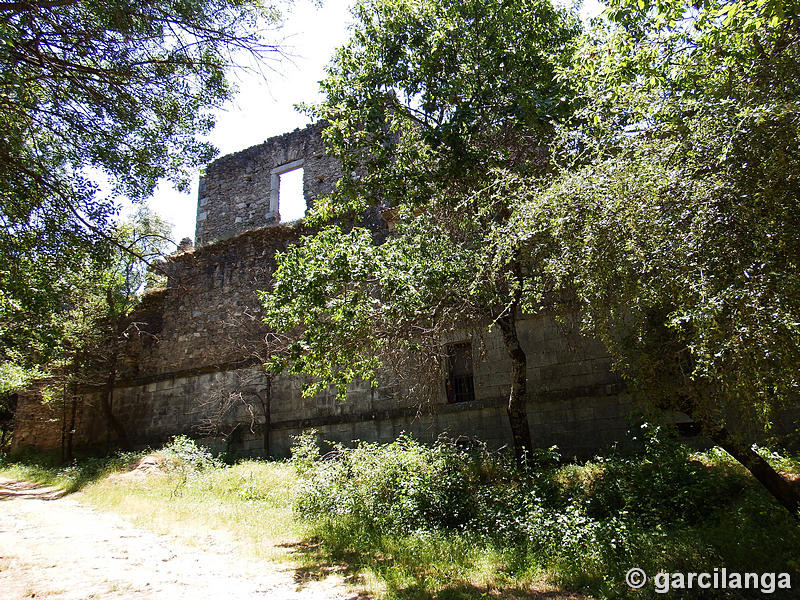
<point>448,520</point>
<point>46,468</point>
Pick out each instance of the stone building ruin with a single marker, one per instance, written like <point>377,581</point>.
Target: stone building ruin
<point>196,367</point>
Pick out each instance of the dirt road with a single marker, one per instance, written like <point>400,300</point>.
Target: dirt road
<point>57,548</point>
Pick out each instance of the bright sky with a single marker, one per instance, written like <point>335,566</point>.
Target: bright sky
<point>264,106</point>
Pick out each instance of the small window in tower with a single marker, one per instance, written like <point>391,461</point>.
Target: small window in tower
<point>459,385</point>
<point>291,201</point>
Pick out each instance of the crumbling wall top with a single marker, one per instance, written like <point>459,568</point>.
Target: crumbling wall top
<point>240,191</point>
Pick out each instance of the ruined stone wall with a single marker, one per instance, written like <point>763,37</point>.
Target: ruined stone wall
<point>238,192</point>
<point>195,367</point>
<point>210,312</point>
<point>44,424</point>
<point>574,402</point>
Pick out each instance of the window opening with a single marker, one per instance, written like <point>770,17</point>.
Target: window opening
<point>688,428</point>
<point>459,385</point>
<point>291,201</point>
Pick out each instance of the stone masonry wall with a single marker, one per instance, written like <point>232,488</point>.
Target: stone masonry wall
<point>574,402</point>
<point>42,425</point>
<point>194,368</point>
<point>238,191</point>
<point>211,312</point>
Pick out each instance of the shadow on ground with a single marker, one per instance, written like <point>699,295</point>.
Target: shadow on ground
<point>11,490</point>
<point>319,564</point>
<point>43,469</point>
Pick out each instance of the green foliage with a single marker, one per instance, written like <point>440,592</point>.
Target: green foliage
<point>47,468</point>
<point>430,95</point>
<point>447,508</point>
<point>393,488</point>
<point>354,300</point>
<point>305,452</point>
<point>185,454</point>
<point>86,326</point>
<point>93,93</point>
<point>425,100</point>
<point>671,222</point>
<point>14,377</point>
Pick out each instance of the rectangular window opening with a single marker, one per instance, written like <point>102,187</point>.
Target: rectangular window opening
<point>291,200</point>
<point>459,385</point>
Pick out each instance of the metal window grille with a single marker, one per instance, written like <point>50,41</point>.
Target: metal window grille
<point>460,386</point>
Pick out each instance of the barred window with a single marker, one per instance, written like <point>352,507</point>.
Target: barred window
<point>459,385</point>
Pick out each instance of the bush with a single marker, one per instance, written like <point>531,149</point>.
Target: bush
<point>184,453</point>
<point>305,452</point>
<point>661,509</point>
<point>388,488</point>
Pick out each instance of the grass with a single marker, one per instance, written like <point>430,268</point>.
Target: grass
<point>409,522</point>
<point>45,468</point>
<point>444,521</point>
<point>248,505</point>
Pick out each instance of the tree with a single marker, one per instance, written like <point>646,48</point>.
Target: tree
<point>98,91</point>
<point>12,378</point>
<point>98,317</point>
<point>423,104</point>
<point>246,401</point>
<point>674,220</point>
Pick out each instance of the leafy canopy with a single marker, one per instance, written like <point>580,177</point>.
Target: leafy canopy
<point>673,220</point>
<point>99,92</point>
<point>423,104</point>
<point>96,320</point>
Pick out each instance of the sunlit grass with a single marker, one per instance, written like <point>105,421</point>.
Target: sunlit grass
<point>46,469</point>
<point>569,528</point>
<point>248,504</point>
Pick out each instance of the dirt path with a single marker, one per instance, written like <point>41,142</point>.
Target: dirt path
<point>57,548</point>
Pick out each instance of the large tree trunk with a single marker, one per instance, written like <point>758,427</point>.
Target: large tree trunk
<point>780,488</point>
<point>517,411</point>
<point>64,425</point>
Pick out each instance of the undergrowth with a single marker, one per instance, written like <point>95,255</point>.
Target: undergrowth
<point>427,520</point>
<point>181,454</point>
<point>454,520</point>
<point>47,468</point>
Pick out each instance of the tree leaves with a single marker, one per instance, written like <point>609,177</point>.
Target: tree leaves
<point>98,90</point>
<point>424,104</point>
<point>672,219</point>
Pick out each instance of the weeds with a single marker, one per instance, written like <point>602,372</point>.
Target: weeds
<point>46,469</point>
<point>185,454</point>
<point>454,520</point>
<point>448,513</point>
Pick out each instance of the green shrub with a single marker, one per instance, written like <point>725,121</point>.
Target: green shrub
<point>661,509</point>
<point>305,451</point>
<point>183,452</point>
